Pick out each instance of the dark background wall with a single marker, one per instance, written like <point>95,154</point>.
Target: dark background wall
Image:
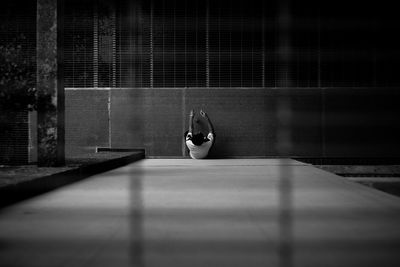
<point>231,44</point>
<point>14,138</point>
<point>328,122</point>
<point>17,67</point>
<point>145,64</point>
<point>134,69</point>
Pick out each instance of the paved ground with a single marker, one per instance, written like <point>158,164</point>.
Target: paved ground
<point>205,213</point>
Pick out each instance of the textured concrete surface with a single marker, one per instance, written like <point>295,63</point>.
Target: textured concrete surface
<point>328,122</point>
<point>28,181</point>
<point>204,213</point>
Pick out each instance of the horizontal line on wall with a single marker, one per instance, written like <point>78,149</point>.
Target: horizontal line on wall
<point>223,88</point>
<point>91,88</point>
<point>187,88</point>
<point>172,88</point>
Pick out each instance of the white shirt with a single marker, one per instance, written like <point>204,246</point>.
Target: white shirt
<point>199,152</point>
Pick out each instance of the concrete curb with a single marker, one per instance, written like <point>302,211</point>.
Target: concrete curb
<point>17,192</point>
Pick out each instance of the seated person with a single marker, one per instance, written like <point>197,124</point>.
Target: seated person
<point>198,144</point>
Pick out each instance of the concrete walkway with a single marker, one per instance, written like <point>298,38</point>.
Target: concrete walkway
<point>205,213</point>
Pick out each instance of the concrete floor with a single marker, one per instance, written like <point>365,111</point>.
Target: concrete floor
<point>205,213</point>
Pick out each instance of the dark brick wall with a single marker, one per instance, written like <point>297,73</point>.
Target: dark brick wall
<point>14,138</point>
<point>337,122</point>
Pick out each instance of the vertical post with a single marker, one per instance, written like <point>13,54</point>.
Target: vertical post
<point>95,45</point>
<point>151,46</point>
<point>114,45</point>
<point>263,46</point>
<point>207,44</point>
<point>139,44</point>
<point>50,83</point>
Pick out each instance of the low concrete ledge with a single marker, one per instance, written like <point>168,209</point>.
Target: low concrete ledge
<point>13,193</point>
<point>350,160</point>
<point>113,149</point>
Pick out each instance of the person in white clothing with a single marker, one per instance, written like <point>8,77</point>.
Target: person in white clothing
<point>198,144</point>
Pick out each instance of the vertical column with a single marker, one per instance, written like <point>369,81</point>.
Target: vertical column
<point>263,46</point>
<point>95,45</point>
<point>50,83</point>
<point>151,46</point>
<point>207,44</point>
<point>114,45</point>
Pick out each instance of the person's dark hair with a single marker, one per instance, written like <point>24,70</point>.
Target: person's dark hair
<point>198,139</point>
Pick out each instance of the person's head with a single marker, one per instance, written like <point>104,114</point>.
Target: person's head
<point>198,139</point>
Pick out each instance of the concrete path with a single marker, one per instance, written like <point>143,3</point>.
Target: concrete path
<point>205,213</point>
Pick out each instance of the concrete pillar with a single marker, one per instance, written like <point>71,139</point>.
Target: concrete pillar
<point>50,83</point>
